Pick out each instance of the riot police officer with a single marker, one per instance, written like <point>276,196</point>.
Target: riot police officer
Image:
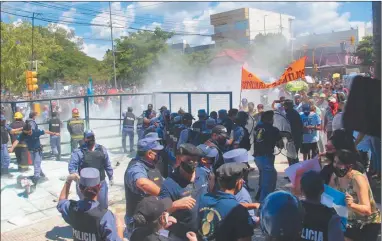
<point>93,155</point>
<point>206,134</point>
<point>140,130</point>
<point>200,124</point>
<point>185,130</point>
<point>128,129</point>
<point>219,140</point>
<point>281,217</point>
<point>142,178</point>
<point>21,150</point>
<point>76,128</point>
<point>240,133</point>
<point>89,220</point>
<point>222,116</point>
<point>55,141</point>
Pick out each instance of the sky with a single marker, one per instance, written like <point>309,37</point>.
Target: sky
<point>189,20</point>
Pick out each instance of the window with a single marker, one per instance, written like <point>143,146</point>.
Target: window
<point>241,25</point>
<point>221,28</point>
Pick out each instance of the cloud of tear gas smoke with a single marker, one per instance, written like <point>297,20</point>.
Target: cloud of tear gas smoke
<point>223,74</point>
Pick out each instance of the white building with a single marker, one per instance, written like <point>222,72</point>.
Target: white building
<point>242,25</point>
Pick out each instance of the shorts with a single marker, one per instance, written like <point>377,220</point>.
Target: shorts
<point>307,148</point>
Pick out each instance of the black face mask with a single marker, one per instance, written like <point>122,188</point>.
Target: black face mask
<point>188,167</point>
<point>90,143</point>
<point>341,171</point>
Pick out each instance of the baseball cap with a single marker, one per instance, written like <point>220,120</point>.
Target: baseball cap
<point>210,122</point>
<point>202,113</point>
<point>152,207</point>
<point>89,177</point>
<point>163,108</point>
<point>208,151</point>
<point>150,105</point>
<point>146,144</point>
<point>188,149</point>
<point>220,130</point>
<point>188,116</point>
<point>239,155</point>
<point>88,133</point>
<point>230,170</point>
<point>153,135</point>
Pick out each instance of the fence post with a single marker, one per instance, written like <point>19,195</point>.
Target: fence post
<point>169,101</point>
<point>120,114</point>
<point>86,102</point>
<point>208,104</point>
<point>230,100</point>
<point>189,102</point>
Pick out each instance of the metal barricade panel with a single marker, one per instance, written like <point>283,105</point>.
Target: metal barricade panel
<point>219,101</point>
<point>198,101</point>
<point>179,101</point>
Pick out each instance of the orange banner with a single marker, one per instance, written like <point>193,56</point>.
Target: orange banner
<point>295,70</point>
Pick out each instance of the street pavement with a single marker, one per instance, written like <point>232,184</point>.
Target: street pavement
<point>36,217</point>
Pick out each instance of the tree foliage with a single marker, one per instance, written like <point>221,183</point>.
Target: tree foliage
<point>364,50</point>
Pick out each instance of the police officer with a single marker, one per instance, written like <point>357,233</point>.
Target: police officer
<point>200,124</point>
<point>219,140</point>
<point>142,178</point>
<point>204,177</point>
<point>320,222</point>
<point>281,217</point>
<point>240,133</point>
<point>179,186</point>
<point>76,128</point>
<point>89,220</point>
<point>140,130</point>
<point>55,141</point>
<point>230,120</point>
<point>221,217</point>
<point>214,115</point>
<point>32,120</point>
<point>93,155</point>
<point>32,138</point>
<point>147,113</point>
<point>21,150</point>
<point>241,156</point>
<point>206,134</point>
<point>128,129</point>
<point>222,116</point>
<point>186,135</point>
<point>266,138</point>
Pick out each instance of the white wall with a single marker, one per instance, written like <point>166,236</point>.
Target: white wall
<point>272,23</point>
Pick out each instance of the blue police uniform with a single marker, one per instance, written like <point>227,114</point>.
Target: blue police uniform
<point>266,138</point>
<point>222,115</point>
<point>200,125</point>
<point>140,130</point>
<point>35,150</point>
<point>32,123</point>
<point>128,130</point>
<point>183,138</point>
<point>99,159</point>
<point>5,158</point>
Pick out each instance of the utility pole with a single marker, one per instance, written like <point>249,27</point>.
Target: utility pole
<point>264,24</point>
<point>112,47</point>
<point>376,8</point>
<point>32,57</point>
<point>281,25</point>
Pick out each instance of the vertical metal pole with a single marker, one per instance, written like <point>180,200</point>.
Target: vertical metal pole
<point>230,100</point>
<point>120,114</point>
<point>208,104</point>
<point>86,102</point>
<point>112,47</point>
<point>281,25</point>
<point>264,24</point>
<point>169,101</point>
<point>32,57</point>
<point>189,102</point>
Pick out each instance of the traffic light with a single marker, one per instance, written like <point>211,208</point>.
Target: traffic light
<point>352,39</point>
<point>31,80</point>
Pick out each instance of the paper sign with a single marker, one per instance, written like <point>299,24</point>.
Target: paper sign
<point>295,171</point>
<point>335,199</point>
<point>295,70</point>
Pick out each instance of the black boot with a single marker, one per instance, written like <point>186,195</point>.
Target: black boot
<point>5,173</point>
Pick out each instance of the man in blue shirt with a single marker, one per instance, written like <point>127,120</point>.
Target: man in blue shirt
<point>184,134</point>
<point>87,218</point>
<point>32,139</point>
<point>312,124</point>
<point>204,177</point>
<point>221,217</point>
<point>93,155</point>
<point>142,178</point>
<point>180,187</point>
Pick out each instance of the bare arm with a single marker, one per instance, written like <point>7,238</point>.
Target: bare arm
<point>65,191</point>
<point>14,131</point>
<point>52,133</point>
<point>362,189</point>
<point>13,146</point>
<point>148,186</point>
<point>251,205</point>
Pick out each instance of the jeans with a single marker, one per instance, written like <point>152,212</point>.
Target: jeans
<point>75,143</point>
<point>5,158</point>
<point>102,197</point>
<point>129,133</point>
<point>36,159</point>
<point>268,175</point>
<point>55,144</point>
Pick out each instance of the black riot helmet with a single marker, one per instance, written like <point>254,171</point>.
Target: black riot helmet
<point>282,216</point>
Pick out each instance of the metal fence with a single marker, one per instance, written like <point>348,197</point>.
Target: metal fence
<point>103,113</point>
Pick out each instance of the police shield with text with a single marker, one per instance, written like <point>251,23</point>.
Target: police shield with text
<point>128,129</point>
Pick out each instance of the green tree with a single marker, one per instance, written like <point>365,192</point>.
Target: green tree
<point>364,50</point>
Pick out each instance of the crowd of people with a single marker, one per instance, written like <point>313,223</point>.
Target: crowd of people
<point>189,178</point>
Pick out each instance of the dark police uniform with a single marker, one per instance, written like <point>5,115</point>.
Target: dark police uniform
<point>128,130</point>
<point>76,128</point>
<point>241,137</point>
<point>265,140</point>
<point>140,129</point>
<point>221,216</point>
<point>88,220</point>
<point>55,141</point>
<point>21,150</point>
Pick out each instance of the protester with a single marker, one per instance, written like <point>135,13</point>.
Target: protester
<point>312,124</point>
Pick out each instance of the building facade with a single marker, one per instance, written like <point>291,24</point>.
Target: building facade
<point>242,25</point>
